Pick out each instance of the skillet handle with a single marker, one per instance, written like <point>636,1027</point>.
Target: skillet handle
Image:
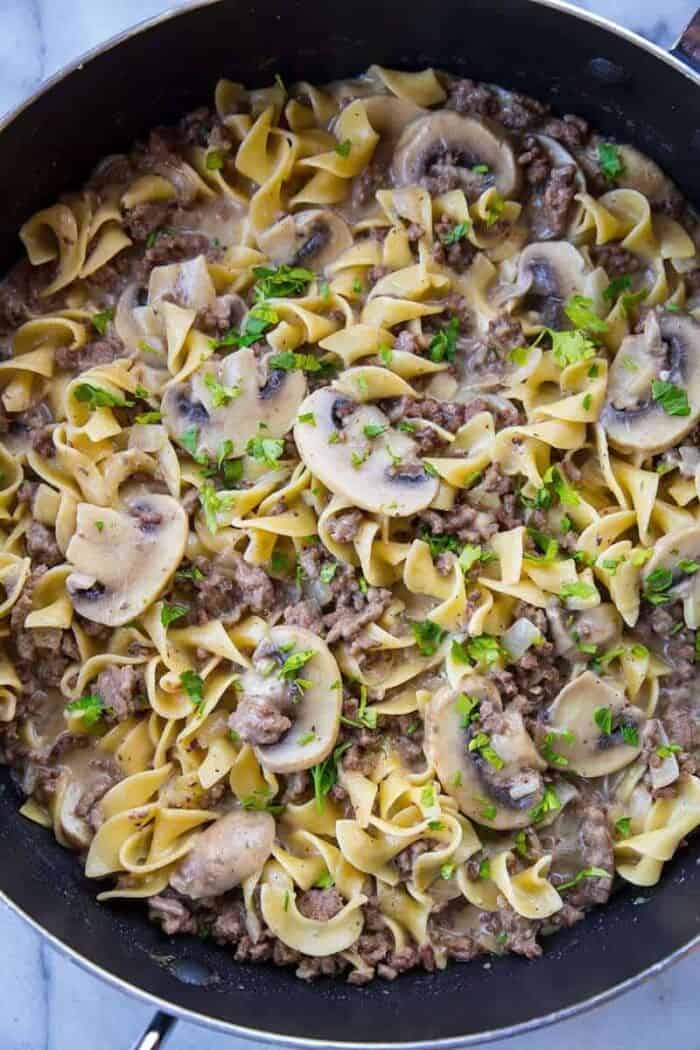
<point>687,47</point>
<point>156,1034</point>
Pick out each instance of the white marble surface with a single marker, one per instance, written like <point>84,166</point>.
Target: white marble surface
<point>48,1002</point>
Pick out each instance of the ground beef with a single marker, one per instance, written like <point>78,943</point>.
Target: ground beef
<point>352,613</point>
<point>40,650</point>
<point>458,255</point>
<point>307,614</point>
<point>405,860</point>
<point>41,545</point>
<point>519,112</point>
<point>123,691</point>
<point>173,247</point>
<point>570,130</point>
<point>535,161</point>
<point>365,185</point>
<point>615,260</point>
<point>298,787</point>
<point>513,932</point>
<point>227,312</point>
<point>262,719</point>
<point>596,848</point>
<point>559,192</point>
<point>320,905</point>
<point>108,775</point>
<point>144,219</point>
<point>230,587</point>
<point>343,527</point>
<point>468,96</point>
<point>505,333</point>
<point>171,914</point>
<point>98,352</point>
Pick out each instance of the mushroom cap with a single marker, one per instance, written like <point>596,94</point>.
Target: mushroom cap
<point>633,421</point>
<point>682,545</point>
<point>317,710</point>
<point>550,271</point>
<point>591,752</point>
<point>469,141</point>
<point>378,482</point>
<point>272,401</point>
<point>312,238</point>
<point>123,559</point>
<point>232,848</point>
<point>514,789</point>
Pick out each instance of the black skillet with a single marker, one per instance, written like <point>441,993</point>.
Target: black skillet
<point>627,88</point>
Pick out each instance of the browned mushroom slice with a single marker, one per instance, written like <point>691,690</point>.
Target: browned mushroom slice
<point>356,453</point>
<point>124,559</point>
<point>312,238</point>
<point>549,273</point>
<point>667,351</point>
<point>591,727</point>
<point>445,150</point>
<point>232,848</point>
<point>672,570</point>
<point>232,399</point>
<point>483,754</point>
<point>290,701</point>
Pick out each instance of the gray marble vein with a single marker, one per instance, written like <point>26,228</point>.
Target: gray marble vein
<point>48,1002</point>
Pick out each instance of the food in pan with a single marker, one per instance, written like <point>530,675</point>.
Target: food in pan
<point>350,528</point>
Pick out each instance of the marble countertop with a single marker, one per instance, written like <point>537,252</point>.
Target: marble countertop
<point>48,1002</point>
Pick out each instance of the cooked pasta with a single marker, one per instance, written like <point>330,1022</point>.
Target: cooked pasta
<point>350,522</point>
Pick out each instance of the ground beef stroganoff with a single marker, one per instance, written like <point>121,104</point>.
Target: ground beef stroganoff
<point>349,483</point>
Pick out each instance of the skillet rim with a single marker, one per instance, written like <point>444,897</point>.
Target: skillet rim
<point>673,60</point>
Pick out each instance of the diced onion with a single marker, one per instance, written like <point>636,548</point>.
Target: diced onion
<point>520,637</point>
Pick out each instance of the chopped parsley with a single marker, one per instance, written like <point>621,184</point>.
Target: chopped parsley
<point>291,667</point>
<point>666,750</point>
<point>656,586</point>
<point>468,709</point>
<point>309,418</point>
<point>570,348</point>
<point>101,320</point>
<point>579,589</point>
<point>494,210</point>
<point>602,716</point>
<point>485,869</point>
<point>170,613</point>
<point>220,395</point>
<point>95,397</point>
<point>281,281</point>
<point>549,804</point>
<point>630,735</point>
<point>259,319</point>
<point>343,148</point>
<point>306,738</point>
<point>373,430</point>
<point>455,234</point>
<point>673,399</point>
<point>552,756</point>
<point>214,160</point>
<point>616,287</point>
<point>443,345</point>
<point>586,873</point>
<point>290,361</point>
<point>440,543</point>
<point>447,871</point>
<point>326,881</point>
<point>365,717</point>
<point>609,161</point>
<point>149,417</point>
<point>90,708</point>
<point>580,312</point>
<point>213,502</point>
<point>260,801</point>
<point>99,525</point>
<point>189,574</point>
<point>480,169</point>
<point>193,684</point>
<point>328,571</point>
<point>471,554</point>
<point>483,649</point>
<point>325,774</point>
<point>481,743</point>
<point>386,355</point>
<point>265,450</point>
<point>623,827</point>
<point>428,636</point>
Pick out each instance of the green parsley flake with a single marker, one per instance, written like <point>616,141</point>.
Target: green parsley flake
<point>456,233</point>
<point>579,589</point>
<point>656,586</point>
<point>259,319</point>
<point>265,450</point>
<point>494,210</point>
<point>343,148</point>
<point>443,345</point>
<point>447,871</point>
<point>666,750</point>
<point>623,827</point>
<point>587,873</point>
<point>214,160</point>
<point>485,869</point>
<point>373,430</point>
<point>609,161</point>
<point>326,881</point>
<point>553,757</point>
<point>309,418</point>
<point>306,738</point>
<point>170,613</point>
<point>99,525</point>
<point>386,355</point>
<point>328,571</point>
<point>580,312</point>
<point>280,282</point>
<point>90,708</point>
<point>147,418</point>
<point>549,804</point>
<point>220,395</point>
<point>570,348</point>
<point>673,399</point>
<point>616,287</point>
<point>96,397</point>
<point>213,503</point>
<point>260,801</point>
<point>468,709</point>
<point>289,361</point>
<point>602,717</point>
<point>481,743</point>
<point>428,636</point>
<point>193,684</point>
<point>101,320</point>
<point>630,735</point>
<point>325,774</point>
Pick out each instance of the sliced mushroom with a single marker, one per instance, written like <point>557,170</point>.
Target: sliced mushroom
<point>313,715</point>
<point>677,553</point>
<point>230,850</point>
<point>500,791</point>
<point>600,626</point>
<point>441,150</point>
<point>667,349</point>
<point>124,559</point>
<point>312,238</point>
<point>381,473</point>
<point>579,720</point>
<point>249,401</point>
<point>549,273</point>
<point>186,283</point>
